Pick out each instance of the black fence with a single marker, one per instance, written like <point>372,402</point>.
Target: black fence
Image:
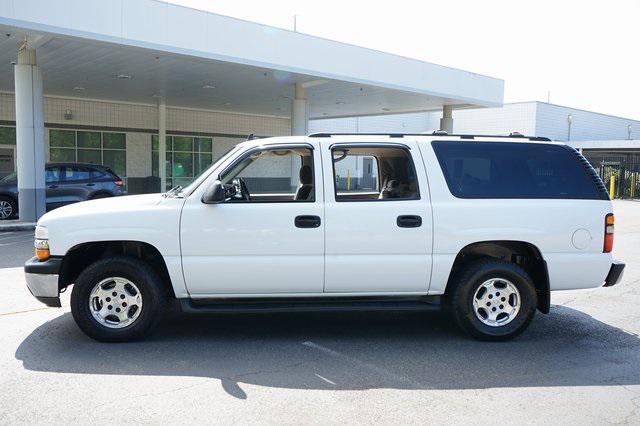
<point>623,169</point>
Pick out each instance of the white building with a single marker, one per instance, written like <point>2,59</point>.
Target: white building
<point>95,80</point>
<point>530,118</point>
<point>611,144</point>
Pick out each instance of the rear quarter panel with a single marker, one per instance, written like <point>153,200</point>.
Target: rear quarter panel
<point>568,233</point>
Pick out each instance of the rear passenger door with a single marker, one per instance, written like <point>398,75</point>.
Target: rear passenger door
<point>378,232</point>
<point>75,185</point>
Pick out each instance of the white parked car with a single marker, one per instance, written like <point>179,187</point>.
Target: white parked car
<point>485,226</point>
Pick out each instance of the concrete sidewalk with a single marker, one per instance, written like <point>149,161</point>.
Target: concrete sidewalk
<point>16,225</point>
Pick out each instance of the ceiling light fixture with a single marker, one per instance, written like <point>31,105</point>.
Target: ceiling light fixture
<point>78,88</point>
<point>208,86</point>
<point>340,102</point>
<point>123,76</point>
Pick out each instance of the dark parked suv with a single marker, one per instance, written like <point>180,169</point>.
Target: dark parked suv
<point>66,183</point>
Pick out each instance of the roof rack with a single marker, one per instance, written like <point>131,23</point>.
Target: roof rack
<point>436,133</point>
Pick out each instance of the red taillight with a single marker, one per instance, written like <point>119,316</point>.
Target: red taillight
<point>118,183</point>
<point>609,221</point>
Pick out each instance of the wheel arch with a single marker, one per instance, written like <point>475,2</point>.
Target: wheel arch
<point>82,255</point>
<point>100,192</point>
<point>522,253</point>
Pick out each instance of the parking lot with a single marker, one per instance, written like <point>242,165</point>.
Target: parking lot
<point>580,364</point>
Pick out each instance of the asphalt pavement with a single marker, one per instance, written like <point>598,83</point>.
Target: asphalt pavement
<point>578,365</point>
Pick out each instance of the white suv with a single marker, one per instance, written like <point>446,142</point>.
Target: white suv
<point>485,226</point>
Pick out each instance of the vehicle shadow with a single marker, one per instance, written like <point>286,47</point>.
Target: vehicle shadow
<point>349,351</point>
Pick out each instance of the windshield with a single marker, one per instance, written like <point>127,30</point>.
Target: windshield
<point>198,179</point>
<point>9,178</point>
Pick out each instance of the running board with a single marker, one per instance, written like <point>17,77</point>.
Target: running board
<point>221,306</point>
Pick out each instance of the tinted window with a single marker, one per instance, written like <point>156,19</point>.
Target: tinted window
<point>52,174</point>
<point>73,174</point>
<point>97,174</point>
<point>513,170</point>
<point>374,173</point>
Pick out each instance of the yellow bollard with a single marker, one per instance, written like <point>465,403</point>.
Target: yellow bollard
<point>348,179</point>
<point>632,194</point>
<point>612,187</point>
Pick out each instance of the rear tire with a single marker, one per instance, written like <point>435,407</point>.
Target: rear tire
<point>492,300</point>
<point>105,287</point>
<point>8,208</point>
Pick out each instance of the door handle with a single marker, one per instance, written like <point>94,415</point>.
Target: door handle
<point>409,221</point>
<point>307,221</point>
<point>53,186</point>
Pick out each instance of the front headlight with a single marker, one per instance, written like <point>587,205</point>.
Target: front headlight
<point>41,243</point>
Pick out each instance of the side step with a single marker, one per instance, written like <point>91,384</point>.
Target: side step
<point>225,306</point>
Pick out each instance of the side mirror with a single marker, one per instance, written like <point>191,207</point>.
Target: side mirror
<point>214,194</point>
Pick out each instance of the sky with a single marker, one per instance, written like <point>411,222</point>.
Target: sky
<point>583,54</point>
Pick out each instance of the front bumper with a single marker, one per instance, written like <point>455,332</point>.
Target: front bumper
<point>42,280</point>
<point>615,273</point>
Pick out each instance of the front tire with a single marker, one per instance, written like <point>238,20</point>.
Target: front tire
<point>118,299</point>
<point>492,300</point>
<point>8,208</point>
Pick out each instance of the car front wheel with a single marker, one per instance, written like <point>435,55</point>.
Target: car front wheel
<point>492,299</point>
<point>117,299</point>
<point>8,208</point>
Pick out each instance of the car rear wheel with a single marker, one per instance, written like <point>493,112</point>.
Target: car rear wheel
<point>8,208</point>
<point>117,299</point>
<point>492,299</point>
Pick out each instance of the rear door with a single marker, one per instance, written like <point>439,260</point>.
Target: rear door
<point>378,218</point>
<point>75,184</point>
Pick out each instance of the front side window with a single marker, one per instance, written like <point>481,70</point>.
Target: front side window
<point>52,175</point>
<point>272,175</point>
<point>374,173</point>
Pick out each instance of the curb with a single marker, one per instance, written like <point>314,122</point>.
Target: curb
<point>17,226</point>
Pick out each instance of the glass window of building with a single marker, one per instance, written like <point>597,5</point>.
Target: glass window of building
<point>71,146</point>
<point>187,157</point>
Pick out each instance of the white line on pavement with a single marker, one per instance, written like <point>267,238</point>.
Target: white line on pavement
<point>364,365</point>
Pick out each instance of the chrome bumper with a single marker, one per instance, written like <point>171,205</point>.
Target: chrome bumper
<point>42,280</point>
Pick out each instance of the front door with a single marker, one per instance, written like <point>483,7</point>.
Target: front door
<point>378,219</point>
<point>268,236</point>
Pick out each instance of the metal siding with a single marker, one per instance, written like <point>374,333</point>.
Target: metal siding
<point>552,122</point>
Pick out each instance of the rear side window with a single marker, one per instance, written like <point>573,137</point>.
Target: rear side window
<point>515,170</point>
<point>75,174</point>
<point>362,173</point>
<point>97,174</point>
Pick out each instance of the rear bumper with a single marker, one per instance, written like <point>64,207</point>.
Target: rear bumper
<point>615,273</point>
<point>42,280</point>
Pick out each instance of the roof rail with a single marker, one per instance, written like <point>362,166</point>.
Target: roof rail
<point>436,133</point>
